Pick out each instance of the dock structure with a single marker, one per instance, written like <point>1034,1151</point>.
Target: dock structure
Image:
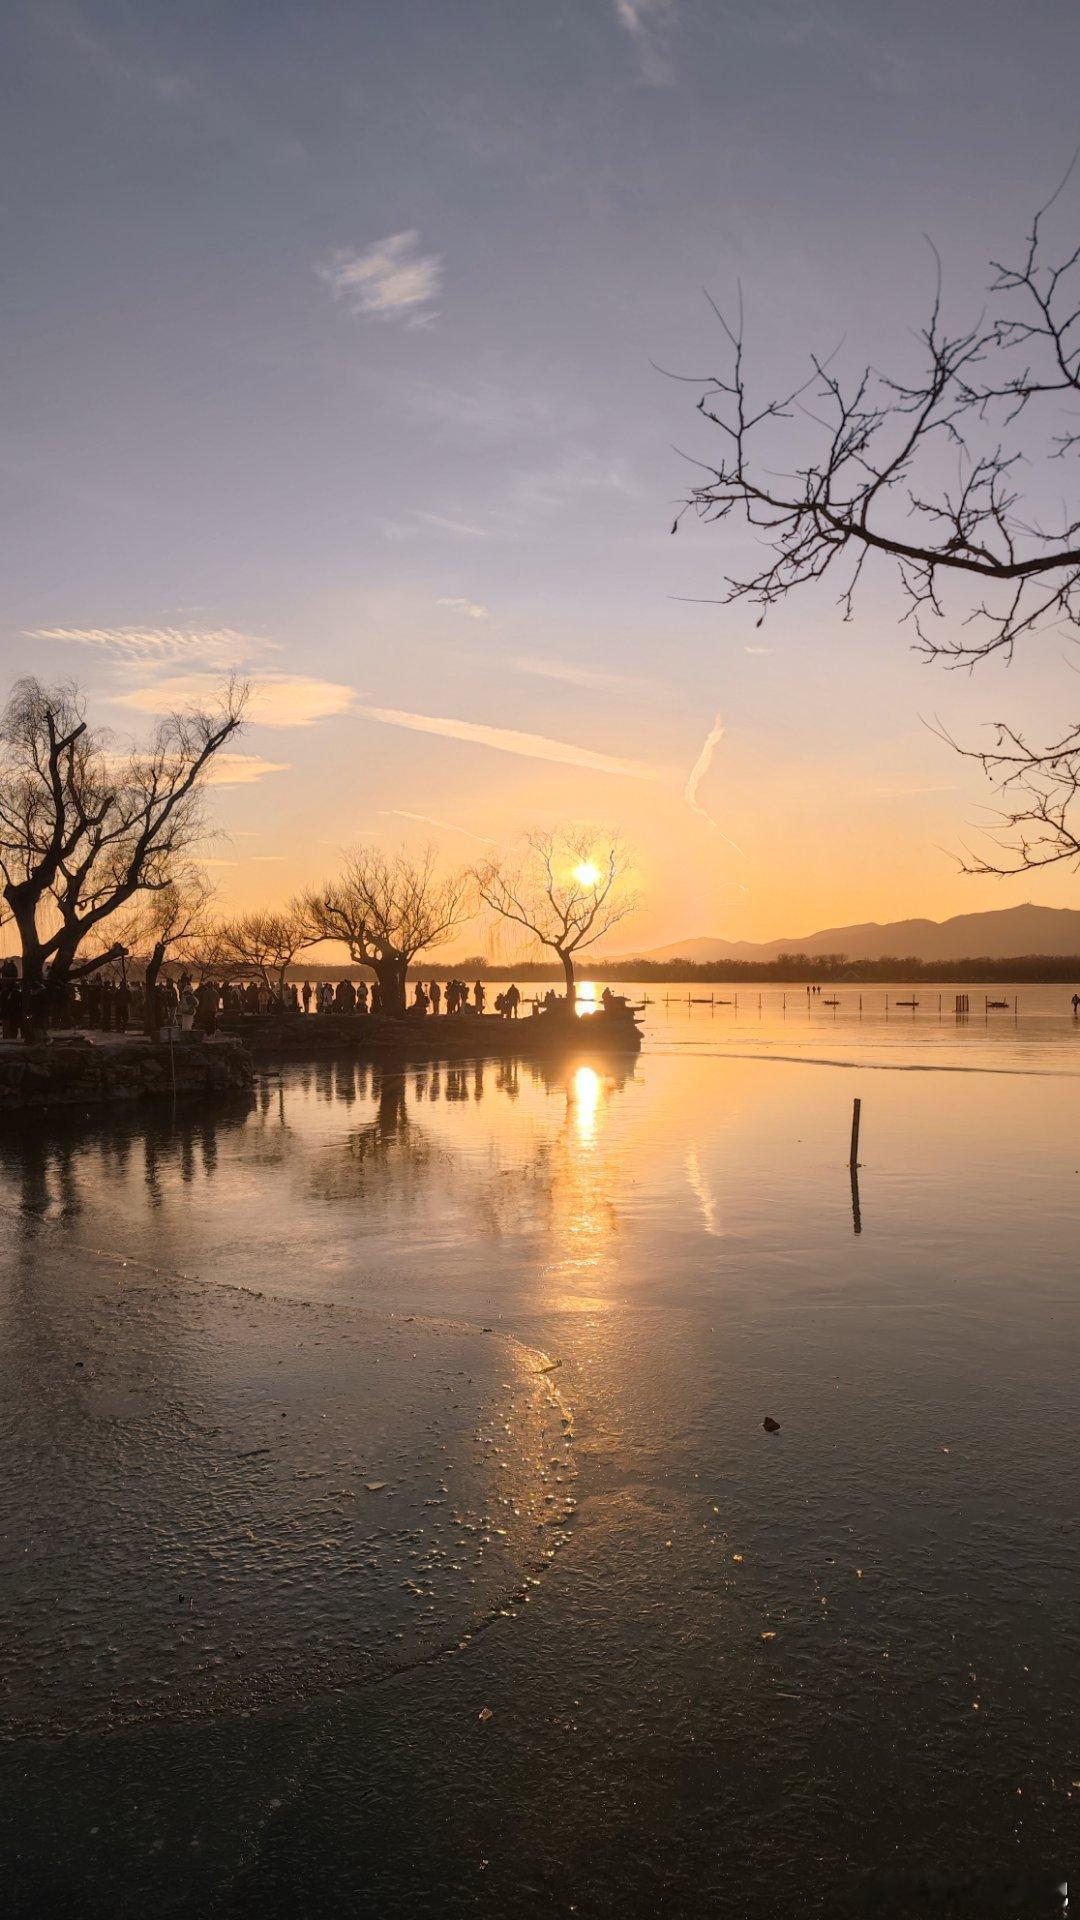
<point>472,1036</point>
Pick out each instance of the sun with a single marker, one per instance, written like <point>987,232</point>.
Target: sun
<point>586,874</point>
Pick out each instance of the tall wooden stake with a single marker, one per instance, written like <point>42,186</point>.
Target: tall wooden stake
<point>856,1114</point>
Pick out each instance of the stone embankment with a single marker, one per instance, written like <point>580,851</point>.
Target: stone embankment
<point>82,1073</point>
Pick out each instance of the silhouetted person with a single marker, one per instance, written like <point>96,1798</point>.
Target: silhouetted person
<point>436,996</point>
<point>513,1001</point>
<point>362,997</point>
<point>305,995</point>
<point>420,1001</point>
<point>376,998</point>
<point>478,996</point>
<point>1076,1004</point>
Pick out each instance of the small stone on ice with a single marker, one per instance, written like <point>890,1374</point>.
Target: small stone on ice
<point>485,1713</point>
<point>770,1425</point>
<point>375,1486</point>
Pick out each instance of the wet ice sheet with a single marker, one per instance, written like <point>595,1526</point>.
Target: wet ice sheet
<point>216,1498</point>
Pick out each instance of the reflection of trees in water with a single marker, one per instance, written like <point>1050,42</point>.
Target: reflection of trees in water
<point>54,1169</point>
<point>389,1158</point>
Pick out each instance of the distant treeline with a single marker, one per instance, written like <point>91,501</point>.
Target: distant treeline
<point>789,969</point>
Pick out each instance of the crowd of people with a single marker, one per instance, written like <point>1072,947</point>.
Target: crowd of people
<point>107,1002</point>
<point>429,997</point>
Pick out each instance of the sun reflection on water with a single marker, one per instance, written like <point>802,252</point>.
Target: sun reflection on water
<point>584,1101</point>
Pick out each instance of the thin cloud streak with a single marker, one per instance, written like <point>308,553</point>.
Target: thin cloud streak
<point>697,774</point>
<point>531,746</point>
<point>575,676</point>
<point>446,826</point>
<point>471,609</point>
<point>242,769</point>
<point>643,20</point>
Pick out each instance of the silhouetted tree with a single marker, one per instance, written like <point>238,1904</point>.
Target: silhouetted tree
<point>84,830</point>
<point>386,909</point>
<point>173,921</point>
<point>562,890</point>
<point>936,471</point>
<point>261,945</point>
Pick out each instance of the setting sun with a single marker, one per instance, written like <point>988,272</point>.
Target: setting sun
<point>586,874</point>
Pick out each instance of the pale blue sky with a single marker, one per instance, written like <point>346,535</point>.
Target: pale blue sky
<point>326,350</point>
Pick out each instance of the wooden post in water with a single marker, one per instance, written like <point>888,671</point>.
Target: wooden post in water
<point>856,1115</point>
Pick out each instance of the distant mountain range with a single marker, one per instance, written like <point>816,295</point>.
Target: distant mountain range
<point>1002,935</point>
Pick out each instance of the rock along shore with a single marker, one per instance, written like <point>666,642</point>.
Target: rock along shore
<point>82,1073</point>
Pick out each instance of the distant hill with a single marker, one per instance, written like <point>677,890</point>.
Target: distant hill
<point>1005,934</point>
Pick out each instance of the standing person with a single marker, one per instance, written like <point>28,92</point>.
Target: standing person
<point>436,996</point>
<point>362,997</point>
<point>420,1001</point>
<point>189,1007</point>
<point>1076,1005</point>
<point>348,997</point>
<point>513,1001</point>
<point>208,1007</point>
<point>305,995</point>
<point>376,998</point>
<point>108,1005</point>
<point>478,995</point>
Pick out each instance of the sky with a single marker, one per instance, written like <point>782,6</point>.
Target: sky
<point>336,344</point>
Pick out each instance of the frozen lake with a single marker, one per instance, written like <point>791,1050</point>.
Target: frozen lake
<point>439,1395</point>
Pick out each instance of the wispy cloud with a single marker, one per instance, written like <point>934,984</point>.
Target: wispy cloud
<point>221,647</point>
<point>697,774</point>
<point>531,746</point>
<point>574,675</point>
<point>451,526</point>
<point>759,651</point>
<point>429,820</point>
<point>242,769</point>
<point>575,477</point>
<point>471,609</point>
<point>647,22</point>
<point>276,700</point>
<point>390,280</point>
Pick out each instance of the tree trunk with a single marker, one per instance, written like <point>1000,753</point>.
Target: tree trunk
<point>568,970</point>
<point>390,973</point>
<point>150,980</point>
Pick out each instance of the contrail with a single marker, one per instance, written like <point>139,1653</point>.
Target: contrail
<point>697,774</point>
<point>532,746</point>
<point>448,826</point>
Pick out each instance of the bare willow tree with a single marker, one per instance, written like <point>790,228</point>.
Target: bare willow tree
<point>261,945</point>
<point>84,830</point>
<point>387,909</point>
<point>171,922</point>
<point>564,890</point>
<point>945,473</point>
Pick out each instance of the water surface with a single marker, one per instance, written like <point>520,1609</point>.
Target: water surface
<point>762,1672</point>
